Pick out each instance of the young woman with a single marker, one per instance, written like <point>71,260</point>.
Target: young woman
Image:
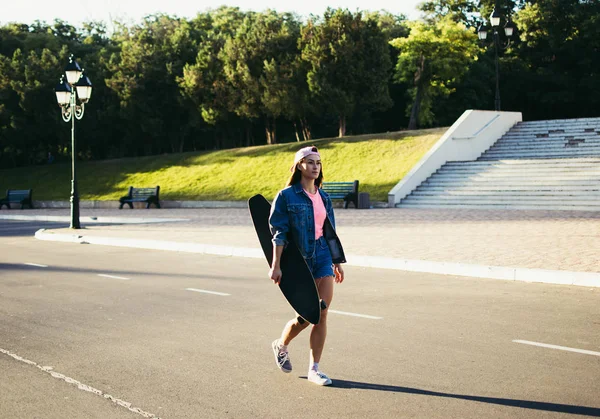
<point>303,212</point>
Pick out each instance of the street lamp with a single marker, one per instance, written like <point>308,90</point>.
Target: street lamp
<point>482,32</point>
<point>72,95</point>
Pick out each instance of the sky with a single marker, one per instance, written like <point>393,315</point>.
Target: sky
<point>27,11</point>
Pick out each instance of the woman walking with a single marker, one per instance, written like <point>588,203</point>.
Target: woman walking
<point>304,213</point>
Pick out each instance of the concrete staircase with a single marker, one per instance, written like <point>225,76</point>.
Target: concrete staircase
<point>538,165</point>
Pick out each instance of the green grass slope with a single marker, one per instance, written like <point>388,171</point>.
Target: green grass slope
<point>378,161</point>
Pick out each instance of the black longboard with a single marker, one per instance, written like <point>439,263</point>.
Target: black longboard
<point>297,283</point>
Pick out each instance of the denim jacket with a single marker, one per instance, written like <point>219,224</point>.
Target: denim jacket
<point>292,214</point>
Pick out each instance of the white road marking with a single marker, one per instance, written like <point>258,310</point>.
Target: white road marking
<point>36,264</point>
<point>562,348</point>
<point>345,313</point>
<point>113,277</point>
<point>81,386</point>
<point>207,292</point>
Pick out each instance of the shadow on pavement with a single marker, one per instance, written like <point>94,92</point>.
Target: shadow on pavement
<point>28,228</point>
<point>25,228</point>
<point>22,267</point>
<point>524,404</point>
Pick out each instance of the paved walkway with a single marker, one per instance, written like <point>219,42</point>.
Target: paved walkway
<point>552,240</point>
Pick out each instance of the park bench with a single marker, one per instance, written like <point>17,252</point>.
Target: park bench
<point>147,195</point>
<point>348,191</point>
<point>15,196</point>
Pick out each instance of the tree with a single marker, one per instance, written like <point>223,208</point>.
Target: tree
<point>507,8</point>
<point>392,118</point>
<point>349,64</point>
<point>557,75</point>
<point>299,105</point>
<point>29,125</point>
<point>257,63</point>
<point>144,76</point>
<point>203,81</point>
<point>468,12</point>
<point>459,11</point>
<point>9,106</point>
<point>433,58</point>
<point>33,58</point>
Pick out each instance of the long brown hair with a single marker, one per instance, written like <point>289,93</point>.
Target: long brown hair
<point>297,175</point>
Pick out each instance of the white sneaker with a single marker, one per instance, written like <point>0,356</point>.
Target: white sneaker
<point>282,359</point>
<point>318,378</point>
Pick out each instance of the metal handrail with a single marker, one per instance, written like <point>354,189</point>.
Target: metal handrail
<point>487,125</point>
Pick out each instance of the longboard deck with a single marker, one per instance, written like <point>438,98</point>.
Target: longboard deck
<point>297,283</point>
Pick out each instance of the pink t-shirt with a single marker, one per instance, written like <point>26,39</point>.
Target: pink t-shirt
<point>320,212</point>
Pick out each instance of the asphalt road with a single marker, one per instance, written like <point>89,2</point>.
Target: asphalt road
<point>99,332</point>
<point>25,228</point>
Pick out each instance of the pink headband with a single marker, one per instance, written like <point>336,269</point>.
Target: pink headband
<point>304,152</point>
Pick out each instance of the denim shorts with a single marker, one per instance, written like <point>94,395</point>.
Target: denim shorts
<point>321,264</point>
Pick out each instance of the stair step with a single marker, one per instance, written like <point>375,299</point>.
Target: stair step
<point>512,177</point>
<point>525,172</point>
<point>553,142</point>
<point>557,123</point>
<point>545,146</point>
<point>560,122</point>
<point>582,161</point>
<point>595,194</point>
<point>555,129</point>
<point>564,121</point>
<point>510,188</point>
<point>498,206</point>
<point>530,156</point>
<point>516,169</point>
<point>538,151</point>
<point>504,156</point>
<point>508,182</point>
<point>535,165</point>
<point>550,149</point>
<point>490,199</point>
<point>552,136</point>
<point>499,166</point>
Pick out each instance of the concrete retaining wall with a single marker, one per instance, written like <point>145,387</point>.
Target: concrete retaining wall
<point>467,139</point>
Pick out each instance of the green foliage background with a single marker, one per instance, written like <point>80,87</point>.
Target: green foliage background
<point>229,78</point>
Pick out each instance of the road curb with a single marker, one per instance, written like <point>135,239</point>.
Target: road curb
<point>586,279</point>
<point>208,249</point>
<point>165,204</point>
<point>91,220</point>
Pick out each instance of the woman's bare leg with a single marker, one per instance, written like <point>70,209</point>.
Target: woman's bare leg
<point>319,331</point>
<point>291,330</point>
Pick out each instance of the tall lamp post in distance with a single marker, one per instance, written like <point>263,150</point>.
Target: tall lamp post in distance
<point>482,31</point>
<point>72,95</point>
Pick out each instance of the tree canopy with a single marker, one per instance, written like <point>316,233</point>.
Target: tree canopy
<point>229,78</point>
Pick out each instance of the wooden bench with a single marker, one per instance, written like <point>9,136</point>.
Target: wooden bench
<point>147,195</point>
<point>15,196</point>
<point>348,191</point>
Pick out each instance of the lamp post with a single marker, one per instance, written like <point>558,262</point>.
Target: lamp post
<point>72,95</point>
<point>482,31</point>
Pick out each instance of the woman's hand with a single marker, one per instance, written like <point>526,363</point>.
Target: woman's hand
<point>339,272</point>
<point>275,271</point>
<point>275,274</point>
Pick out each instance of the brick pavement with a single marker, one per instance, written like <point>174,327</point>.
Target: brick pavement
<point>555,240</point>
